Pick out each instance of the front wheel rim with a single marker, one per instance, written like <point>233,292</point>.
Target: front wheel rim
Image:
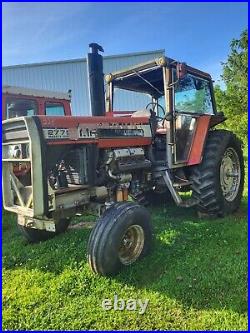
<point>132,244</point>
<point>230,174</point>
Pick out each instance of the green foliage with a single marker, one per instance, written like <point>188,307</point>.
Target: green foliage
<point>233,101</point>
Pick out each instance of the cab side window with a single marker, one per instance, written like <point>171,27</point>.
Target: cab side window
<point>54,109</point>
<point>193,95</point>
<point>20,107</point>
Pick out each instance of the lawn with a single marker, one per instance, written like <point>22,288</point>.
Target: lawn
<point>195,278</point>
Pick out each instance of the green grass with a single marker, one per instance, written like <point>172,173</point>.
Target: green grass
<point>195,278</point>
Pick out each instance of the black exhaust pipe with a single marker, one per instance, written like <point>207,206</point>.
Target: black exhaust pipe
<point>96,80</point>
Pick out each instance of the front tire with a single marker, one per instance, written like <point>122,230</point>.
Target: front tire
<point>120,237</point>
<point>219,180</point>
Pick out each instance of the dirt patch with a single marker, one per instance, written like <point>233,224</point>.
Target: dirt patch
<point>82,225</point>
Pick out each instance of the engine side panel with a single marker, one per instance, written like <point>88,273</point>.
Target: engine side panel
<point>106,132</point>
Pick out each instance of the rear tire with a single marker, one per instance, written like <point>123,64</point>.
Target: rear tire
<point>120,237</point>
<point>219,180</point>
<point>35,235</point>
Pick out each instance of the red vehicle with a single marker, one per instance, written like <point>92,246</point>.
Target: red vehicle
<point>19,102</point>
<point>116,164</point>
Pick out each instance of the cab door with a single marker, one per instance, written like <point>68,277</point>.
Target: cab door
<point>185,126</point>
<point>192,100</point>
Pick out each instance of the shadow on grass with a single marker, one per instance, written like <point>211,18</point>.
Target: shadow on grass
<point>199,263</point>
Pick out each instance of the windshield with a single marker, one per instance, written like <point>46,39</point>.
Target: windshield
<point>136,90</point>
<point>20,107</point>
<point>126,100</point>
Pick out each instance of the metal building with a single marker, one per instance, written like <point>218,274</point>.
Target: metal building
<point>72,74</point>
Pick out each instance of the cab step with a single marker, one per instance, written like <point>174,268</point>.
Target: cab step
<point>183,183</point>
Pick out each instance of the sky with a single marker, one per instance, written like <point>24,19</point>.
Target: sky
<point>197,33</point>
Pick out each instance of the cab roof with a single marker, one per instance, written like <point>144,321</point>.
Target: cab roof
<point>148,77</point>
<point>13,90</point>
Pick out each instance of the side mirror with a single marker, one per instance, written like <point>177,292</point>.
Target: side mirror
<point>181,70</point>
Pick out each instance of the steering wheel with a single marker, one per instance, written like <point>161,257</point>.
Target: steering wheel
<point>154,105</point>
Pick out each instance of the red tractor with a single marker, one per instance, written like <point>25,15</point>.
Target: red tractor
<point>115,164</point>
<point>20,102</point>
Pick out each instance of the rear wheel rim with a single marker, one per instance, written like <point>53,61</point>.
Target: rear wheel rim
<point>132,244</point>
<point>230,174</point>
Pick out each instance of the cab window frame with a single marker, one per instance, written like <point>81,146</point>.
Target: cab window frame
<point>209,85</point>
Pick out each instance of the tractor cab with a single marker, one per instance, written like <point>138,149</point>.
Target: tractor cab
<point>21,102</point>
<point>179,101</point>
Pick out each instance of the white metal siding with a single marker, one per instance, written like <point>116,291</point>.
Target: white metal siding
<point>65,75</point>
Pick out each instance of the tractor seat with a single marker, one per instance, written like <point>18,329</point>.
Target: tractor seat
<point>163,129</point>
<point>147,114</point>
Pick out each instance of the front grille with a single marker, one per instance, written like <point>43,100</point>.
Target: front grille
<point>14,130</point>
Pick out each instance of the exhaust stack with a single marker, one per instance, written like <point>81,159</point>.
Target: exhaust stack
<point>96,80</point>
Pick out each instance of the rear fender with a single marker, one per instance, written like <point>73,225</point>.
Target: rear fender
<point>204,124</point>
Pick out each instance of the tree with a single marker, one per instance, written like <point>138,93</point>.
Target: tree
<point>233,101</point>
